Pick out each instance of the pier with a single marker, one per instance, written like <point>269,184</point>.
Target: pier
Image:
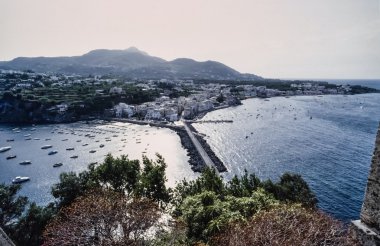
<point>209,121</point>
<point>205,157</point>
<point>199,151</point>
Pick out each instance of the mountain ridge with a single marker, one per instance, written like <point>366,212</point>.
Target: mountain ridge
<point>130,62</point>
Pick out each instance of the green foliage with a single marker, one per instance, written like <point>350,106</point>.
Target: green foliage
<point>291,188</point>
<point>153,178</point>
<point>11,206</point>
<point>208,181</point>
<point>70,187</point>
<point>121,173</point>
<point>207,213</point>
<point>30,226</point>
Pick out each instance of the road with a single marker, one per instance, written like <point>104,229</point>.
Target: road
<point>199,148</point>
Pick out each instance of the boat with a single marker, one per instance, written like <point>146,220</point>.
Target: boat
<point>53,152</point>
<point>71,148</point>
<point>92,151</point>
<point>20,179</point>
<point>65,139</point>
<point>58,164</point>
<point>74,157</point>
<point>26,162</point>
<point>101,146</point>
<point>10,140</point>
<point>6,148</point>
<point>28,138</point>
<point>11,157</point>
<point>84,144</point>
<point>46,146</point>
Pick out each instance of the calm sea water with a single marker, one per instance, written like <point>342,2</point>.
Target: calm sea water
<point>118,138</point>
<point>329,140</point>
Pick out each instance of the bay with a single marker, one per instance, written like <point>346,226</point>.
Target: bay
<point>329,140</point>
<point>117,138</point>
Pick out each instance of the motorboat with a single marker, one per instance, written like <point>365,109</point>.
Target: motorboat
<point>71,148</point>
<point>58,164</point>
<point>10,140</point>
<point>20,179</point>
<point>92,151</point>
<point>46,147</point>
<point>26,162</point>
<point>101,146</point>
<point>11,157</point>
<point>53,152</point>
<point>6,148</point>
<point>74,157</point>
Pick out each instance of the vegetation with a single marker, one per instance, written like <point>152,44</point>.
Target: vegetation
<point>125,202</point>
<point>286,225</point>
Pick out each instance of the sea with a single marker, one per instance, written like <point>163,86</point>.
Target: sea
<point>327,139</point>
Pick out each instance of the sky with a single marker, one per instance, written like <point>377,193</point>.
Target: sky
<point>272,38</point>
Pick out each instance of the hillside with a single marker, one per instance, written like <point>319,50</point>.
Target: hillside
<point>131,63</point>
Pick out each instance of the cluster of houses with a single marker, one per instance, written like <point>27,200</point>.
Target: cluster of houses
<point>202,98</point>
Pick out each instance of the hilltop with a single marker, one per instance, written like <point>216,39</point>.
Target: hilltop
<point>131,62</point>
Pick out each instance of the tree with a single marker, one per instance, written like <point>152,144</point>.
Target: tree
<point>70,187</point>
<point>206,213</point>
<point>121,174</point>
<point>29,228</point>
<point>103,217</point>
<point>11,206</point>
<point>153,178</point>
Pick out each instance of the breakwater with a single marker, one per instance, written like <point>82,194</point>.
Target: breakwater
<point>196,161</point>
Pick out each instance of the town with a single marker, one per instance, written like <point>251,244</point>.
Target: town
<point>64,98</point>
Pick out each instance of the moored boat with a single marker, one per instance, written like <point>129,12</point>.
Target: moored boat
<point>26,162</point>
<point>74,156</point>
<point>58,164</point>
<point>20,179</point>
<point>11,157</point>
<point>6,148</point>
<point>53,152</point>
<point>71,148</point>
<point>46,147</point>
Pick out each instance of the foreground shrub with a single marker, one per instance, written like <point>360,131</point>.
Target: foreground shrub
<point>286,225</point>
<point>103,218</point>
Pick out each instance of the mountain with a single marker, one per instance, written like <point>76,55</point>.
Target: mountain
<point>130,62</point>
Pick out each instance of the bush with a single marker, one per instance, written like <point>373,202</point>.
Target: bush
<point>286,225</point>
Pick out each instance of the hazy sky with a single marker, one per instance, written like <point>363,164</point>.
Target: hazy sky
<point>271,38</point>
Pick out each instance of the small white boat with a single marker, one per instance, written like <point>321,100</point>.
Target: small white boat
<point>58,164</point>
<point>53,152</point>
<point>6,148</point>
<point>26,162</point>
<point>46,147</point>
<point>20,179</point>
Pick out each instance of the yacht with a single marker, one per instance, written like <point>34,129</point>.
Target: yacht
<point>46,147</point>
<point>20,179</point>
<point>6,148</point>
<point>11,157</point>
<point>27,162</point>
<point>58,164</point>
<point>53,152</point>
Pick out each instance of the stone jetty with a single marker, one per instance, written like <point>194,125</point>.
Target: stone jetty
<point>367,229</point>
